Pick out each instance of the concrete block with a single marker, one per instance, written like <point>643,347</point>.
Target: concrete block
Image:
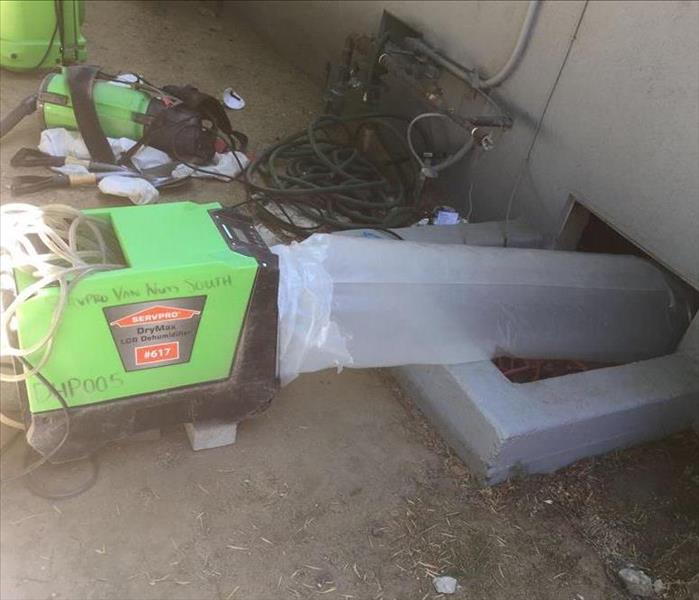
<point>499,428</point>
<point>213,433</point>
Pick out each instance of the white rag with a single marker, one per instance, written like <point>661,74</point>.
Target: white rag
<point>62,142</point>
<point>139,191</point>
<point>224,167</point>
<point>136,189</point>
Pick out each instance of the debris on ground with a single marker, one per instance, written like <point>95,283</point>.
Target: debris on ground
<point>444,585</point>
<point>637,582</point>
<point>639,506</point>
<point>659,587</point>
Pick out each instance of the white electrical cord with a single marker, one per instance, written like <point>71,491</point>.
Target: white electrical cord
<point>470,203</point>
<point>10,422</point>
<point>49,244</point>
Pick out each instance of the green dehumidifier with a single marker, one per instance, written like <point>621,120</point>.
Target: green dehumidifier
<point>185,331</point>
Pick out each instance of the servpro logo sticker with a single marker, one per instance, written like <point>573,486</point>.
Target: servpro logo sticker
<point>154,334</point>
<point>155,314</point>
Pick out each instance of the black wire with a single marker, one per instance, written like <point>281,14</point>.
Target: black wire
<point>66,414</point>
<point>39,489</point>
<point>539,123</point>
<point>59,22</point>
<point>220,176</point>
<point>28,473</point>
<point>243,203</point>
<point>390,232</point>
<point>216,175</point>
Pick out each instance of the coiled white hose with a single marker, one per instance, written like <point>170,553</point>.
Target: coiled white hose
<point>56,245</point>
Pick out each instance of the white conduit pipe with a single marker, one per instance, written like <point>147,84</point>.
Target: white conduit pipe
<point>520,46</point>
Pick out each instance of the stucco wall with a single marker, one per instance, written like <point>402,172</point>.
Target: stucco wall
<point>622,130</point>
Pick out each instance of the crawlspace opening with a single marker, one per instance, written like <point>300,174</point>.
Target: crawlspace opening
<point>584,231</point>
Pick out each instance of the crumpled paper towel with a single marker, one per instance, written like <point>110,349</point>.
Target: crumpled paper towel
<point>139,191</point>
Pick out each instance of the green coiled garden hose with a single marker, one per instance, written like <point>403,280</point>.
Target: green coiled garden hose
<point>323,175</point>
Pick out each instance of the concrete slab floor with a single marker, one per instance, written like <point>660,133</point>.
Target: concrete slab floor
<point>341,490</point>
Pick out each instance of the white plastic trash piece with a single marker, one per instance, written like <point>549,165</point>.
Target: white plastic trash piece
<point>444,585</point>
<point>447,217</point>
<point>127,77</point>
<point>637,582</point>
<point>233,100</point>
<point>357,302</point>
<point>139,191</point>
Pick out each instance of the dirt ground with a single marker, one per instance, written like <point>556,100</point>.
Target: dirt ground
<point>342,489</point>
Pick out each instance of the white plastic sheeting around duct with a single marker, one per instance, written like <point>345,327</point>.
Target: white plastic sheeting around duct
<point>357,302</point>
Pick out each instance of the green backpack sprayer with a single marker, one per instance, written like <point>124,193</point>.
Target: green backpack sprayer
<point>180,120</point>
<point>41,33</point>
<point>187,124</point>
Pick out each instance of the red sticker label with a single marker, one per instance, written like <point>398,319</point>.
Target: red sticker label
<point>157,353</point>
<point>155,314</point>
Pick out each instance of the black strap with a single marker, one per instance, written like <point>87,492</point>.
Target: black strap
<point>145,139</point>
<point>204,104</point>
<point>242,139</point>
<point>81,80</point>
